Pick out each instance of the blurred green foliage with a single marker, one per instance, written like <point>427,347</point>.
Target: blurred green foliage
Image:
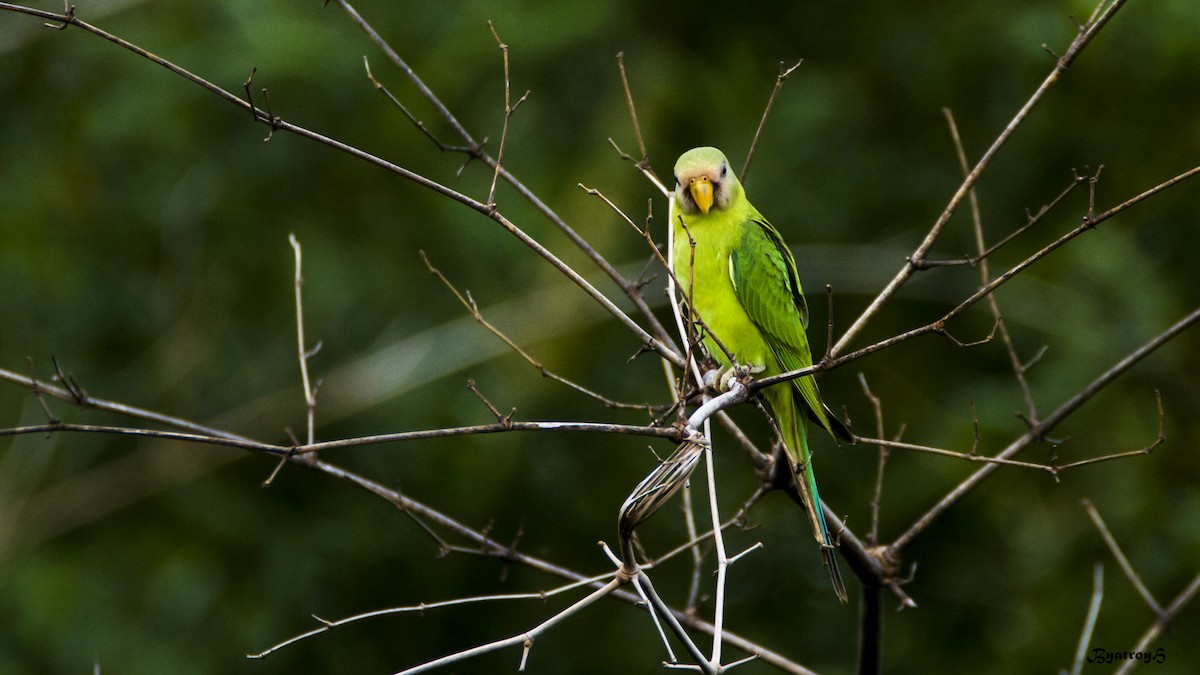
<point>143,242</point>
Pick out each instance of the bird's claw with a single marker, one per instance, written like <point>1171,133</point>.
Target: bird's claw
<point>721,379</point>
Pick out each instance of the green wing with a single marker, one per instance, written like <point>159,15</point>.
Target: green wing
<point>765,280</point>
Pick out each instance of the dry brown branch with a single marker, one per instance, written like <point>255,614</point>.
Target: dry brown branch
<point>474,149</point>
<point>509,108</point>
<point>1038,432</point>
<point>938,326</point>
<point>1100,17</point>
<point>784,74</point>
<point>276,123</point>
<point>1161,624</point>
<point>1119,555</point>
<point>985,274</point>
<point>472,307</point>
<point>637,128</point>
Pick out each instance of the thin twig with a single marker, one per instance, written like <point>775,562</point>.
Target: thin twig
<point>985,274</point>
<point>509,108</point>
<point>784,73</point>
<point>426,606</point>
<point>1161,623</point>
<point>525,639</point>
<point>474,149</point>
<point>1119,555</point>
<point>1082,39</point>
<point>637,129</point>
<point>473,308</point>
<point>877,494</point>
<point>648,341</point>
<point>938,325</point>
<point>1047,424</point>
<point>445,147</point>
<point>1089,623</point>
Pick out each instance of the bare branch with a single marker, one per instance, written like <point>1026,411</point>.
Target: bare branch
<point>302,350</point>
<point>1119,555</point>
<point>938,326</point>
<point>1162,622</point>
<point>1039,431</point>
<point>525,639</point>
<point>475,149</point>
<point>877,496</point>
<point>784,73</point>
<point>473,308</point>
<point>379,86</point>
<point>426,606</point>
<point>985,274</point>
<point>1082,39</point>
<point>1089,624</point>
<point>637,129</point>
<point>509,107</point>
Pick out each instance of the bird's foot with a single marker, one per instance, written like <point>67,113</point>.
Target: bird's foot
<point>721,379</point>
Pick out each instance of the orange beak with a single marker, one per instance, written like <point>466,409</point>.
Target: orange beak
<point>702,192</point>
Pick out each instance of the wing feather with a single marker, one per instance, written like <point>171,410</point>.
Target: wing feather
<point>764,278</point>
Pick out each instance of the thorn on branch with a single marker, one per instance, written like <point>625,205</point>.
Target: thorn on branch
<point>940,329</point>
<point>67,19</point>
<point>79,396</point>
<point>918,264</point>
<point>37,393</point>
<point>975,427</point>
<point>258,116</point>
<point>249,96</point>
<point>829,324</point>
<point>283,459</point>
<point>1092,180</point>
<point>504,420</point>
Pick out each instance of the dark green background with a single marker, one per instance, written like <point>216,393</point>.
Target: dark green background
<point>143,242</point>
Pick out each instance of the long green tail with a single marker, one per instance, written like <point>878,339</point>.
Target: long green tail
<point>791,425</point>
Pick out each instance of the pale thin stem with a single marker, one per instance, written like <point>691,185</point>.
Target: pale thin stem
<point>689,521</point>
<point>671,617</point>
<point>719,545</point>
<point>970,457</point>
<point>425,606</point>
<point>658,627</point>
<point>526,639</point>
<point>1089,623</point>
<point>294,451</point>
<point>310,394</point>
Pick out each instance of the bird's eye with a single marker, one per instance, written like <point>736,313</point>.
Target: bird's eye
<point>724,169</point>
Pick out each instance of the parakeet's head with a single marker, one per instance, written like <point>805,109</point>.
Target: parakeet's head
<point>704,181</point>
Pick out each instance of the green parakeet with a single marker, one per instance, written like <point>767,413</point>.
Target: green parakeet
<point>743,284</point>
